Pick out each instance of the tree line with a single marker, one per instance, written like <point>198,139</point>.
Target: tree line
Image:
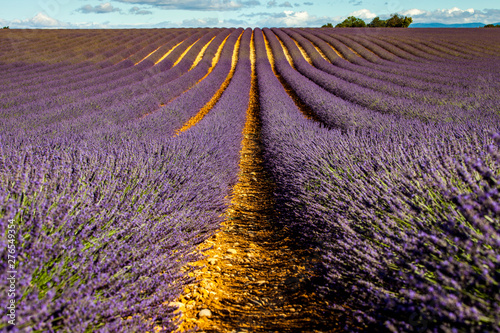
<point>395,21</point>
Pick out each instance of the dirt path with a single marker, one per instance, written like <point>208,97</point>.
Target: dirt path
<point>206,109</point>
<point>252,281</point>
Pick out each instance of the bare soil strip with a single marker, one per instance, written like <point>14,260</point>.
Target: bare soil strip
<point>285,50</point>
<point>321,52</point>
<point>216,58</point>
<point>137,63</point>
<point>252,280</point>
<point>167,53</point>
<point>185,52</point>
<point>304,108</point>
<point>202,53</point>
<point>336,51</point>
<point>347,46</point>
<point>204,110</point>
<point>369,50</point>
<point>216,97</point>
<point>303,52</point>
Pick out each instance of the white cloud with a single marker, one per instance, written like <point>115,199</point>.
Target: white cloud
<point>202,5</point>
<point>103,8</point>
<point>138,11</point>
<point>295,18</point>
<point>202,22</point>
<point>454,15</point>
<point>286,4</point>
<point>363,13</point>
<point>412,12</point>
<point>274,3</point>
<point>43,21</point>
<point>40,20</point>
<point>289,18</point>
<point>457,10</point>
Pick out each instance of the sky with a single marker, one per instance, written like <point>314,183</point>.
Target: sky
<point>234,13</point>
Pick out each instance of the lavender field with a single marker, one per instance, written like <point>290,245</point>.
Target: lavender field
<point>120,150</point>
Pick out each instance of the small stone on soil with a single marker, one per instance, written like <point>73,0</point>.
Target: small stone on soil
<point>205,313</point>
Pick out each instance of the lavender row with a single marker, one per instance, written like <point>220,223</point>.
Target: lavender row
<point>386,48</point>
<point>444,46</point>
<point>331,110</point>
<point>23,75</point>
<point>418,51</point>
<point>144,82</point>
<point>475,91</point>
<point>387,54</point>
<point>122,75</point>
<point>402,80</point>
<point>189,103</point>
<point>452,97</point>
<point>174,114</point>
<point>394,49</point>
<point>466,73</point>
<point>27,41</point>
<point>139,208</point>
<point>93,54</point>
<point>416,71</point>
<point>64,76</point>
<point>400,223</point>
<point>93,80</point>
<point>144,110</point>
<point>375,100</point>
<point>371,61</point>
<point>481,63</point>
<point>480,44</point>
<point>161,41</point>
<point>382,57</point>
<point>61,55</point>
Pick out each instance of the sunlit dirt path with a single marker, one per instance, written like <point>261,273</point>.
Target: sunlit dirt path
<point>204,110</point>
<point>252,280</point>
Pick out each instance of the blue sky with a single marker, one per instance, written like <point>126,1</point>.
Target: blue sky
<point>244,13</point>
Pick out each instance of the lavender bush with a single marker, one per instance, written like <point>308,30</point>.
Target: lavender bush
<point>393,179</point>
<point>406,218</point>
<point>105,220</point>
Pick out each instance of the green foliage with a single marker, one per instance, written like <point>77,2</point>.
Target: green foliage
<point>7,27</point>
<point>395,21</point>
<point>328,25</point>
<point>492,26</point>
<point>352,22</point>
<point>398,21</point>
<point>377,23</point>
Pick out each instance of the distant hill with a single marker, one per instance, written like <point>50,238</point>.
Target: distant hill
<point>442,25</point>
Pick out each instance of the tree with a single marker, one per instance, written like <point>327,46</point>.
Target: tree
<point>377,23</point>
<point>407,21</point>
<point>398,21</point>
<point>352,22</point>
<point>7,27</point>
<point>492,26</point>
<point>395,20</point>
